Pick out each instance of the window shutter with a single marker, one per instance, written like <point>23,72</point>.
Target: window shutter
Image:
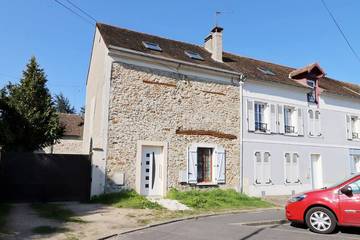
<point>288,177</point>
<point>251,115</point>
<point>267,168</point>
<point>352,165</point>
<point>295,168</point>
<point>348,127</point>
<point>258,168</point>
<point>317,125</point>
<point>273,122</point>
<point>221,165</point>
<point>300,123</point>
<point>192,165</point>
<point>281,119</point>
<point>311,122</point>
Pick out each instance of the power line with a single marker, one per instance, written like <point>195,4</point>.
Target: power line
<point>340,30</point>
<point>81,10</point>
<point>74,12</point>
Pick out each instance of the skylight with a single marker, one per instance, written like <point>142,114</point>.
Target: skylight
<point>265,71</point>
<point>194,55</point>
<point>152,46</point>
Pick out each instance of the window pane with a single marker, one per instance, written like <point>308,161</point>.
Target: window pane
<point>258,157</point>
<point>204,164</point>
<point>287,158</point>
<point>295,158</point>
<point>311,114</point>
<point>266,157</point>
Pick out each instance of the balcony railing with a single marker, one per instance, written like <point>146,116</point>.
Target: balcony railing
<point>355,135</point>
<point>289,129</point>
<point>259,126</point>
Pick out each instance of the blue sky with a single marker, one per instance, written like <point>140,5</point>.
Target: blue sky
<point>292,33</point>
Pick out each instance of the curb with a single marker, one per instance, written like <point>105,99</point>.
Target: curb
<point>190,218</point>
<point>266,222</point>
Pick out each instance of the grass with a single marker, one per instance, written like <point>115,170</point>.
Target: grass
<point>217,200</point>
<point>126,199</point>
<point>56,212</point>
<point>47,230</point>
<point>4,211</point>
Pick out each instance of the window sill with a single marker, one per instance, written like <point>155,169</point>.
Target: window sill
<point>261,132</point>
<point>292,135</point>
<point>206,184</point>
<point>263,185</point>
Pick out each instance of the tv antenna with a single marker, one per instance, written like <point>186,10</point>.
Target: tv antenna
<point>217,16</point>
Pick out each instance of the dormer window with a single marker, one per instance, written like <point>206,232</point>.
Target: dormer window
<point>194,55</point>
<point>152,46</point>
<point>311,83</point>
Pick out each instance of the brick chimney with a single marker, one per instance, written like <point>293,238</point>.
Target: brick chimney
<point>213,43</point>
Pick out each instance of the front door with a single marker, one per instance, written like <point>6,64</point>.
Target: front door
<point>152,171</point>
<point>316,171</point>
<point>350,205</point>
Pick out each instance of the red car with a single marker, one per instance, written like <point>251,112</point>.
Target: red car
<point>323,210</point>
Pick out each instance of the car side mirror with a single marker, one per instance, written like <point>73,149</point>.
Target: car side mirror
<point>347,190</point>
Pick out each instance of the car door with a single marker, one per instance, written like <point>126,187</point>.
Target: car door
<point>350,205</point>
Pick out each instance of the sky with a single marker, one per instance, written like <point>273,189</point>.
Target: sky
<point>292,33</point>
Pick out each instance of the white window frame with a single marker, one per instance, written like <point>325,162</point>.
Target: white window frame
<point>293,176</point>
<point>266,117</point>
<point>262,181</point>
<point>314,124</point>
<point>293,119</point>
<point>355,127</point>
<point>214,169</point>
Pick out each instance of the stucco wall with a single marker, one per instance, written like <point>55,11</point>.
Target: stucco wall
<point>152,112</point>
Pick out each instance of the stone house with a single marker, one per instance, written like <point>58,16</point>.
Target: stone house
<point>161,113</point>
<point>72,140</point>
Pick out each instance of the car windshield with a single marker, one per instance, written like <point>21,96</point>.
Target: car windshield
<point>341,182</point>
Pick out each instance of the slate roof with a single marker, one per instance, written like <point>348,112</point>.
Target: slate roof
<point>128,39</point>
<point>72,123</point>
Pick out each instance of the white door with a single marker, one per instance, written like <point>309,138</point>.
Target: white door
<point>316,170</point>
<point>152,171</point>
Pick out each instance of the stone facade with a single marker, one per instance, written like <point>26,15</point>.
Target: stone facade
<point>148,104</point>
<point>66,146</point>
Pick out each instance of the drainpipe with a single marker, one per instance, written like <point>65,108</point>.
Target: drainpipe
<point>241,109</point>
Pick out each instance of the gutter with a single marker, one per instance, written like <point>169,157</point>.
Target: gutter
<point>241,110</point>
<point>176,61</point>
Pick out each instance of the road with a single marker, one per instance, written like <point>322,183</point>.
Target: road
<point>232,227</point>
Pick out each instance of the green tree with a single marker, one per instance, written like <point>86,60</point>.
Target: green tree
<point>31,117</point>
<point>62,104</point>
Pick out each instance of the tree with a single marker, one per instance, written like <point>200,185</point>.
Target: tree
<point>30,117</point>
<point>82,111</point>
<point>62,104</point>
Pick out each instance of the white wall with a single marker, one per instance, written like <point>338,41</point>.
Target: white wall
<point>333,145</point>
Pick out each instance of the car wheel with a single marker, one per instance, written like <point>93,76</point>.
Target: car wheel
<point>321,220</point>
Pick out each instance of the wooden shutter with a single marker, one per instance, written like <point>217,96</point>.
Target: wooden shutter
<point>251,115</point>
<point>348,127</point>
<point>300,122</point>
<point>258,168</point>
<point>267,168</point>
<point>192,165</point>
<point>288,177</point>
<point>221,165</point>
<point>281,119</point>
<point>273,123</point>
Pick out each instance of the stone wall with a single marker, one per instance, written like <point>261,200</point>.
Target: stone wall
<point>143,110</point>
<point>65,146</point>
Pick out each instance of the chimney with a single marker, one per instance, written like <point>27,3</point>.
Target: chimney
<point>213,43</point>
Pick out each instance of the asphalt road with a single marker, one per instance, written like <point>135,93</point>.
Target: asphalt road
<point>232,227</point>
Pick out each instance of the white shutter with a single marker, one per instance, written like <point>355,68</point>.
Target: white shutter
<point>273,123</point>
<point>258,168</point>
<point>267,168</point>
<point>250,115</point>
<point>288,177</point>
<point>221,165</point>
<point>317,125</point>
<point>295,168</point>
<point>300,123</point>
<point>311,122</point>
<point>192,165</point>
<point>281,119</point>
<point>348,127</point>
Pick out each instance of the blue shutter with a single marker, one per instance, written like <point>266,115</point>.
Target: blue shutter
<point>192,165</point>
<point>221,165</point>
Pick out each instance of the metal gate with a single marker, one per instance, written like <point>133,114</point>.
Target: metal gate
<point>29,177</point>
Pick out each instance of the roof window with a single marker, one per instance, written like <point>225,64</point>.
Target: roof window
<point>152,46</point>
<point>194,55</point>
<point>265,71</point>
